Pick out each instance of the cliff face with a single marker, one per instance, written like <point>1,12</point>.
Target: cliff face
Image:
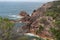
<point>40,21</point>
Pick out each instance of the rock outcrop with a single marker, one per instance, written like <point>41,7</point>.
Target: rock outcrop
<point>26,16</point>
<point>39,19</point>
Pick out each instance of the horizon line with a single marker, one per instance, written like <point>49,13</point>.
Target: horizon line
<point>25,1</point>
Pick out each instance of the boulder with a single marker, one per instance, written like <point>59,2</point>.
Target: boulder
<point>23,13</point>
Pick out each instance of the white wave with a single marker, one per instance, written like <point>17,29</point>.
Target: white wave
<point>30,34</point>
<point>15,16</point>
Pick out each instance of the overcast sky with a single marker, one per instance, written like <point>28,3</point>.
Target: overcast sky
<point>28,0</point>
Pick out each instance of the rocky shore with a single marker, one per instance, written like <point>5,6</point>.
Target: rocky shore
<point>39,23</point>
<point>38,19</point>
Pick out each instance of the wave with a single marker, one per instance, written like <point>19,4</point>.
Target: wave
<point>30,34</point>
<point>15,16</point>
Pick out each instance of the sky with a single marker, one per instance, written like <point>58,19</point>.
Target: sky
<point>28,0</point>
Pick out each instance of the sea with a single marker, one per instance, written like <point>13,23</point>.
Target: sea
<point>11,9</point>
<point>14,8</point>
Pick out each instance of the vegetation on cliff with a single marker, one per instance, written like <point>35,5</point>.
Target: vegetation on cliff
<point>54,12</point>
<point>44,22</point>
<point>6,33</point>
<point>5,29</point>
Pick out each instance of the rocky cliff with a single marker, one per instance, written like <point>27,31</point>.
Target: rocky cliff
<point>42,19</point>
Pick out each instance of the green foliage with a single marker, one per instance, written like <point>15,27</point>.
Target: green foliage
<point>5,27</point>
<point>54,12</point>
<point>40,29</point>
<point>57,23</point>
<point>23,38</point>
<point>56,33</point>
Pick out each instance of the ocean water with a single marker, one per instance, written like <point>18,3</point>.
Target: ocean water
<point>14,8</point>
